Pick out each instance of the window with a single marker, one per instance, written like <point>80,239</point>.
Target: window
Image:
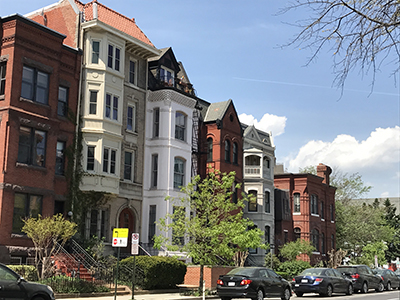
<point>252,204</point>
<point>267,202</point>
<point>314,204</point>
<point>297,233</point>
<point>59,207</point>
<point>95,52</point>
<point>111,108</point>
<point>60,158</point>
<point>209,149</point>
<point>132,72</point>
<point>62,107</point>
<point>114,57</point>
<point>315,239</point>
<point>322,243</point>
<point>267,234</point>
<point>3,66</point>
<point>35,85</point>
<point>332,241</point>
<point>167,76</point>
<point>131,118</point>
<point>90,158</point>
<point>156,122</point>
<point>322,210</point>
<point>331,211</point>
<point>227,151</point>
<point>25,206</point>
<point>286,236</point>
<point>296,203</point>
<point>154,170</point>
<point>128,163</point>
<point>235,193</point>
<point>235,153</point>
<point>93,103</point>
<point>97,221</point>
<point>179,173</point>
<point>252,250</point>
<point>109,157</point>
<point>180,126</point>
<point>32,146</point>
<point>152,223</point>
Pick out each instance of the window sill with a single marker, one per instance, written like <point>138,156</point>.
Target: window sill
<point>314,215</point>
<point>19,235</point>
<point>316,253</point>
<point>323,220</point>
<point>296,213</point>
<point>22,99</point>
<point>332,222</point>
<point>131,131</point>
<point>2,97</point>
<point>38,168</point>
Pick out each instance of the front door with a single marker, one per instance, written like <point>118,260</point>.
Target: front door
<point>127,220</point>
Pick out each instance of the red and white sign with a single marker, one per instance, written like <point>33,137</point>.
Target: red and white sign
<point>135,244</point>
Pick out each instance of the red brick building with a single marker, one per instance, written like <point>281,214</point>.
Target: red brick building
<point>305,208</point>
<point>38,94</point>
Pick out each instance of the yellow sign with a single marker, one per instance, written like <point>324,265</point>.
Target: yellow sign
<point>120,233</point>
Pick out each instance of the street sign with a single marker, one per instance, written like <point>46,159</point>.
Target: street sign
<point>120,237</point>
<point>135,244</point>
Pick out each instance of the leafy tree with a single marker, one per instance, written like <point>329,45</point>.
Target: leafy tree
<point>45,232</point>
<point>292,250</point>
<point>213,227</point>
<point>293,267</point>
<point>393,220</point>
<point>369,252</point>
<point>360,33</point>
<point>358,225</point>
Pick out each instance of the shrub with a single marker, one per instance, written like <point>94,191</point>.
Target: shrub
<point>285,275</point>
<point>158,272</point>
<point>65,284</point>
<point>28,272</point>
<point>294,267</point>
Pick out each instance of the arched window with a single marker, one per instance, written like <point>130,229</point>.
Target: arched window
<point>252,205</point>
<point>297,233</point>
<point>296,202</point>
<point>209,149</point>
<point>315,239</point>
<point>227,151</point>
<point>267,235</point>
<point>235,153</point>
<point>267,202</point>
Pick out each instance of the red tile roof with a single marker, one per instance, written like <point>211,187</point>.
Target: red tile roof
<point>114,19</point>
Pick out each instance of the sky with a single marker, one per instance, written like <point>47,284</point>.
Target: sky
<point>233,50</point>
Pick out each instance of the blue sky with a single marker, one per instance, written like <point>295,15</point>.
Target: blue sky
<point>231,50</point>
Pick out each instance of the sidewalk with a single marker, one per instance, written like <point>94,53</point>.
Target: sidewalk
<point>165,296</point>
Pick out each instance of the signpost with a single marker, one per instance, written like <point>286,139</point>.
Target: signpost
<point>120,239</point>
<point>134,252</point>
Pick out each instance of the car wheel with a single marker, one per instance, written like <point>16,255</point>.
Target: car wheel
<point>350,290</point>
<point>364,288</point>
<point>329,291</point>
<point>298,294</point>
<point>389,286</point>
<point>260,295</point>
<point>381,287</point>
<point>286,294</point>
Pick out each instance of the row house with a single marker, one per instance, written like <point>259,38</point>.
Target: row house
<point>259,160</point>
<point>305,208</point>
<point>38,101</point>
<point>112,108</point>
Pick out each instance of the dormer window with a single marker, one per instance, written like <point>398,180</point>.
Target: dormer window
<point>167,76</point>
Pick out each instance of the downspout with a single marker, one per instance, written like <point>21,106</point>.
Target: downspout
<point>5,146</point>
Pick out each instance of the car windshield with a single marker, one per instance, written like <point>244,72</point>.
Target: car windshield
<point>242,272</point>
<point>380,271</point>
<point>312,272</point>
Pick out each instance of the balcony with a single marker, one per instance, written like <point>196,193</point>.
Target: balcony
<point>252,171</point>
<point>174,83</point>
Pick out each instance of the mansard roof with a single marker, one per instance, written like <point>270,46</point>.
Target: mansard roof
<point>251,132</point>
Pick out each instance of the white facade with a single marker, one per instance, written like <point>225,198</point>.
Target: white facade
<point>259,160</point>
<point>165,145</point>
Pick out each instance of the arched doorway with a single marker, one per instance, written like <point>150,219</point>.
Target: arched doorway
<point>127,220</point>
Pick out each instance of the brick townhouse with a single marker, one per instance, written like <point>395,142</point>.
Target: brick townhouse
<point>39,91</point>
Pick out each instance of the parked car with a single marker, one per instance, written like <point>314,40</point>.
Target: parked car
<point>13,286</point>
<point>390,279</point>
<point>323,281</point>
<point>363,278</point>
<point>255,283</point>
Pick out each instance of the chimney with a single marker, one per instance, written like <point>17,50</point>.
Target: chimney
<point>324,172</point>
<point>95,12</point>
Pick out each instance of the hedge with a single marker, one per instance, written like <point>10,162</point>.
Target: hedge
<point>157,272</point>
<point>26,271</point>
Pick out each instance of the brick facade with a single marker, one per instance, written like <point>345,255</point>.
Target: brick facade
<point>211,275</point>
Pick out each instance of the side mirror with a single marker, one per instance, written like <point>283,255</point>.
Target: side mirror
<point>375,272</point>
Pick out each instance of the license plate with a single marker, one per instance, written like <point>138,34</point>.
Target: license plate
<point>304,280</point>
<point>297,285</point>
<point>231,284</point>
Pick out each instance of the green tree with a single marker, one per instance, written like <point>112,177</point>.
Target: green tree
<point>393,220</point>
<point>371,250</point>
<point>291,250</point>
<point>45,234</point>
<point>206,224</point>
<point>360,33</point>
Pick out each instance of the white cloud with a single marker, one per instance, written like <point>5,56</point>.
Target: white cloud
<point>268,123</point>
<point>378,151</point>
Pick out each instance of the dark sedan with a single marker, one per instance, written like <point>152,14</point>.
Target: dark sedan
<point>255,283</point>
<point>13,286</point>
<point>390,279</point>
<point>323,281</point>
